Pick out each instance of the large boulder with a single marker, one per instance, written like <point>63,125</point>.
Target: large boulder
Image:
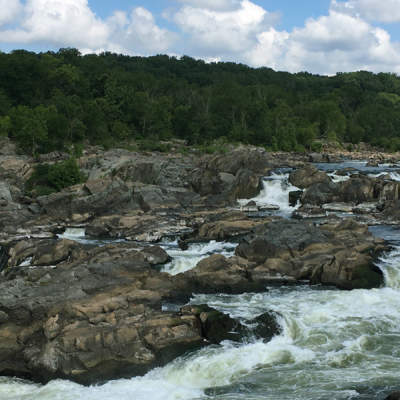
<point>247,184</point>
<point>358,189</point>
<point>96,197</point>
<point>307,176</point>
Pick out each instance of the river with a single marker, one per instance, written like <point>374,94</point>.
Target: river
<point>334,344</point>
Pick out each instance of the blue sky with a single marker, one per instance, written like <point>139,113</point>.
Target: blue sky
<point>319,36</point>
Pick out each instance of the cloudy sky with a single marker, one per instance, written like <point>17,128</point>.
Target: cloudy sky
<point>319,36</point>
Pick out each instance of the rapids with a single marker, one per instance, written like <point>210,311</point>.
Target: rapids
<point>334,344</point>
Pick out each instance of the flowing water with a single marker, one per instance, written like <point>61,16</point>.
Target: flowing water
<point>333,345</point>
<point>275,192</point>
<point>184,260</point>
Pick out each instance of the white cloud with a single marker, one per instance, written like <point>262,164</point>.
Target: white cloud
<point>65,23</point>
<point>227,30</point>
<point>387,11</point>
<point>216,5</point>
<point>139,33</point>
<point>223,33</point>
<point>340,42</point>
<point>9,10</point>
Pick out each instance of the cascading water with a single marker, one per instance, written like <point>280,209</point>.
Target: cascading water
<point>334,344</point>
<point>275,191</point>
<point>184,260</point>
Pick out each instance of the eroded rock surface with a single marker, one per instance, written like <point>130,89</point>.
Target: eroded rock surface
<point>340,254</point>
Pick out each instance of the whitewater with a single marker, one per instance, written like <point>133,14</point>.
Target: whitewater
<point>333,344</point>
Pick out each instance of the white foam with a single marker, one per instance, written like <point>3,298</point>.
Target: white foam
<point>275,191</point>
<point>185,260</point>
<point>338,178</point>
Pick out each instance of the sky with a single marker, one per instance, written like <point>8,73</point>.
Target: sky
<point>318,36</point>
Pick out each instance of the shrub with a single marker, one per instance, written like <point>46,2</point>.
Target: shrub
<point>50,178</point>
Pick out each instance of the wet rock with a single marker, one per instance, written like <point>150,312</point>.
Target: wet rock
<point>215,325</point>
<point>97,316</point>
<point>266,326</point>
<point>365,208</point>
<point>246,184</point>
<point>307,176</point>
<point>393,396</point>
<point>341,254</point>
<point>155,255</point>
<point>321,193</point>
<point>3,258</point>
<point>309,211</point>
<point>294,197</point>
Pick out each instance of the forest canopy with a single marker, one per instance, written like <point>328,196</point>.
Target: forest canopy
<point>50,101</point>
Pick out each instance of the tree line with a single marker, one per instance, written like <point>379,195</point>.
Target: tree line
<point>55,100</point>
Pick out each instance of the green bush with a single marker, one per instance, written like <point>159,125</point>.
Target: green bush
<point>50,178</point>
<point>153,145</point>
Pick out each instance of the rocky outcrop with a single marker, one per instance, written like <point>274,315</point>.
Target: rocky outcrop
<point>96,314</point>
<point>358,189</point>
<point>340,254</point>
<point>307,176</point>
<point>222,225</point>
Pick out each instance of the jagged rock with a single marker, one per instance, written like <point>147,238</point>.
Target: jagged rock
<point>307,176</point>
<point>266,326</point>
<point>97,316</point>
<point>246,185</point>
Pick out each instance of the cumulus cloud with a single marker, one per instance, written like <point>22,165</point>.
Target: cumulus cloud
<point>216,5</point>
<point>340,42</point>
<point>138,32</point>
<point>223,33</point>
<point>387,11</point>
<point>9,10</point>
<point>70,23</point>
<point>345,39</point>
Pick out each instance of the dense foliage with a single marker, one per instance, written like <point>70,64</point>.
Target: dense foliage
<point>50,178</point>
<point>52,100</point>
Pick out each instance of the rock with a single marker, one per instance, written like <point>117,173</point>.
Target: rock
<point>339,207</point>
<point>365,208</point>
<point>340,254</point>
<point>309,211</point>
<point>152,197</point>
<point>357,189</point>
<point>216,326</point>
<point>393,396</point>
<point>307,176</point>
<point>3,258</point>
<point>155,255</point>
<point>268,207</point>
<point>5,194</point>
<point>294,197</point>
<point>266,326</point>
<point>246,184</point>
<point>223,226</point>
<point>372,163</point>
<point>93,198</point>
<point>40,252</point>
<point>256,160</point>
<point>226,179</point>
<point>321,193</point>
<point>97,316</point>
